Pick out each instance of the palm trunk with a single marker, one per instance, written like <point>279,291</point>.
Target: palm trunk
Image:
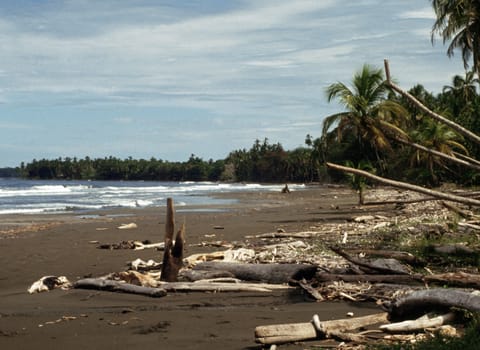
<point>458,128</point>
<point>407,186</point>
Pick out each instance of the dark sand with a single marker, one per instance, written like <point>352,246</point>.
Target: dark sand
<point>36,245</point>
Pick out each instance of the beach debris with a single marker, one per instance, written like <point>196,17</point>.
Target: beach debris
<point>118,286</point>
<point>136,278</point>
<point>139,264</point>
<point>47,283</point>
<point>129,226</point>
<point>316,329</point>
<point>269,273</point>
<point>130,244</point>
<point>173,252</point>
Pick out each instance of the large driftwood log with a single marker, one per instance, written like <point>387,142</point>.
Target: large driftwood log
<point>420,302</point>
<point>421,323</point>
<point>394,267</point>
<point>269,273</point>
<point>392,279</point>
<point>397,255</point>
<point>208,286</point>
<point>406,186</point>
<point>284,333</point>
<point>458,279</point>
<point>173,254</point>
<point>116,286</point>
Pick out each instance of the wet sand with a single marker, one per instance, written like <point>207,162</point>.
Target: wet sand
<point>33,246</point>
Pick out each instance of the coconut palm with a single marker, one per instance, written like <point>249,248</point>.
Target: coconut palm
<point>369,117</point>
<point>438,137</point>
<point>459,21</point>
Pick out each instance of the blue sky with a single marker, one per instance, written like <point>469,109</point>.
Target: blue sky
<point>170,78</point>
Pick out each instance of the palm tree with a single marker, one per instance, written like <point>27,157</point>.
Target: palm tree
<point>459,21</point>
<point>438,137</point>
<point>369,117</point>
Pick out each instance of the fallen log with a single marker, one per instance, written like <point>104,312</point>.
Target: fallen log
<point>406,186</point>
<point>269,273</point>
<point>419,302</point>
<point>116,286</point>
<point>458,279</point>
<point>395,279</point>
<point>421,323</point>
<point>385,266</point>
<point>285,333</point>
<point>397,255</point>
<point>206,286</point>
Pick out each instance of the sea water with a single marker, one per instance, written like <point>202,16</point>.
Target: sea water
<point>19,196</point>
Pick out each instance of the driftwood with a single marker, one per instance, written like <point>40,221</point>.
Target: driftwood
<point>284,333</point>
<point>458,279</point>
<point>306,234</point>
<point>395,279</point>
<point>406,186</point>
<point>270,273</point>
<point>422,301</point>
<point>197,275</point>
<point>210,286</point>
<point>173,254</point>
<point>397,255</point>
<point>387,266</point>
<point>421,323</point>
<point>116,286</point>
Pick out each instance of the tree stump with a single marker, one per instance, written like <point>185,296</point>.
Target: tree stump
<point>173,253</point>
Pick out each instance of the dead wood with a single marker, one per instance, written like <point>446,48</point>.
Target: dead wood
<point>458,128</point>
<point>395,279</point>
<point>406,186</point>
<point>458,279</point>
<point>284,333</point>
<point>306,234</point>
<point>419,302</point>
<point>452,249</point>
<point>463,213</point>
<point>197,275</point>
<point>208,286</point>
<point>397,255</point>
<point>388,266</point>
<point>116,286</point>
<point>421,323</point>
<point>173,254</point>
<point>270,273</point>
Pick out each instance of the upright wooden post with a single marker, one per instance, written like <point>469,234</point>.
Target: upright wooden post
<point>173,253</point>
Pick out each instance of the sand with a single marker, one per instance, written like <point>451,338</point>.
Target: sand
<point>32,246</point>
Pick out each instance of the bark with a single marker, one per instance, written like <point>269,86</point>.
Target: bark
<point>419,324</point>
<point>459,279</point>
<point>173,254</point>
<point>284,333</point>
<point>208,286</point>
<point>420,302</point>
<point>398,255</point>
<point>406,186</point>
<point>439,154</point>
<point>116,286</point>
<point>395,279</point>
<point>458,128</point>
<point>371,266</point>
<point>269,273</point>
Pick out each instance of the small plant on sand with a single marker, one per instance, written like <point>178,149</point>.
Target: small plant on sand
<point>359,183</point>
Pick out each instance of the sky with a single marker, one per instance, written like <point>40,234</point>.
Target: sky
<point>168,78</point>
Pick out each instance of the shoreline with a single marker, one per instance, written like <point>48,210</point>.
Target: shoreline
<point>85,319</point>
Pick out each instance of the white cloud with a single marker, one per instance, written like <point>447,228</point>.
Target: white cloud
<point>423,13</point>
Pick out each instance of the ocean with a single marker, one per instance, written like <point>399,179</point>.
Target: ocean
<point>19,196</point>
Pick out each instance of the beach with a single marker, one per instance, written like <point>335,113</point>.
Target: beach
<point>33,246</point>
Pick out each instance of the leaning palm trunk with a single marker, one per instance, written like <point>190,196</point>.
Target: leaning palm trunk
<point>406,186</point>
<point>474,165</point>
<point>458,128</point>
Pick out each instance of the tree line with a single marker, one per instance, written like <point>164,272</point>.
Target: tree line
<point>263,162</point>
